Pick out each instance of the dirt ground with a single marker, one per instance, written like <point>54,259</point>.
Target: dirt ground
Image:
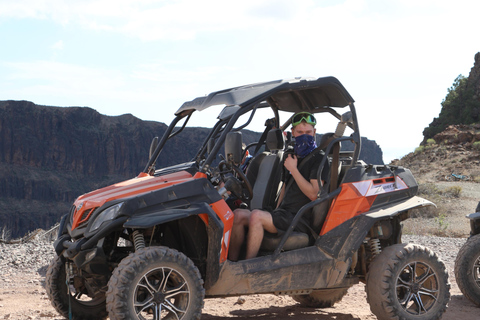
<point>29,301</point>
<point>22,295</point>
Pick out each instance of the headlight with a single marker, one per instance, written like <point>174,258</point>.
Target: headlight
<point>106,215</point>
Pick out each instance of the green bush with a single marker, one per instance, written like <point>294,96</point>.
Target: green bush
<point>430,142</point>
<point>419,149</point>
<point>476,145</point>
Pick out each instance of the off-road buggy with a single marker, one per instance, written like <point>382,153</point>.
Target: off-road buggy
<point>154,247</point>
<point>467,264</point>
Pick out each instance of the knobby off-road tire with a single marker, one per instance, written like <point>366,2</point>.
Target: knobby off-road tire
<point>321,298</point>
<point>467,269</point>
<point>80,306</point>
<point>406,282</point>
<point>155,283</point>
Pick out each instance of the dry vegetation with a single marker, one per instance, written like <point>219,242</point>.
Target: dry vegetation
<point>431,165</point>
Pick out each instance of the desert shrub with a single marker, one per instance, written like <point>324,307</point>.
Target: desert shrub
<point>428,189</point>
<point>424,212</point>
<point>442,225</point>
<point>419,149</point>
<point>476,145</point>
<point>431,192</point>
<point>5,234</point>
<point>453,192</point>
<point>430,142</point>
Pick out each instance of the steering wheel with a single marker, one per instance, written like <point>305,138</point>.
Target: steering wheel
<point>239,186</point>
<point>246,186</point>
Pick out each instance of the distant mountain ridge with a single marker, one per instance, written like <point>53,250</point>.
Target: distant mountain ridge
<point>51,155</point>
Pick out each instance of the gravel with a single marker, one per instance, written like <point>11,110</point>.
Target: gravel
<point>33,257</point>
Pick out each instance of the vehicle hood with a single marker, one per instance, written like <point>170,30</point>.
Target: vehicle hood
<point>129,188</point>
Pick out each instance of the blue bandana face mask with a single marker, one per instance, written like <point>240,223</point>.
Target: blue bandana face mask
<point>304,144</point>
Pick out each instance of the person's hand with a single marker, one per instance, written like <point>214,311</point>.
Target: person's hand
<point>291,162</point>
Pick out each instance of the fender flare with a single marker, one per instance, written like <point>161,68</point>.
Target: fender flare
<point>157,217</point>
<point>474,223</point>
<point>214,228</point>
<point>396,208</point>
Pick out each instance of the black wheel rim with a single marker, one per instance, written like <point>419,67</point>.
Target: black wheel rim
<point>417,288</point>
<point>162,293</point>
<point>476,272</point>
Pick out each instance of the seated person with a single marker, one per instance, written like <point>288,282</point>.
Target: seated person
<point>303,190</point>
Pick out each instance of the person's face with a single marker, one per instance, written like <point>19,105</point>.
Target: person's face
<point>303,128</point>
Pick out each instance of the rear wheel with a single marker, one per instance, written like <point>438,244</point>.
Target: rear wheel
<point>69,300</point>
<point>467,269</point>
<point>321,298</point>
<point>155,283</point>
<point>407,281</point>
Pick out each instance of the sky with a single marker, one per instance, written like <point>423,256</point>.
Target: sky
<point>396,58</point>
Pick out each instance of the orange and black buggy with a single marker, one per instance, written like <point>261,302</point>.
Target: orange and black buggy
<point>155,246</point>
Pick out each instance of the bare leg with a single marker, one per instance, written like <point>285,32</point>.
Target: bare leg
<point>241,218</point>
<point>259,221</point>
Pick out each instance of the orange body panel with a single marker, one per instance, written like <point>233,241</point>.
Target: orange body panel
<point>356,198</point>
<point>226,215</point>
<point>346,205</point>
<point>124,189</point>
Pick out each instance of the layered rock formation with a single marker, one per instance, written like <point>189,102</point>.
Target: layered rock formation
<point>51,155</point>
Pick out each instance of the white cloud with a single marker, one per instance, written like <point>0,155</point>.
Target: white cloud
<point>58,45</point>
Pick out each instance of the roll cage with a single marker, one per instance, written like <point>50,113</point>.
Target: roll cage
<point>295,95</point>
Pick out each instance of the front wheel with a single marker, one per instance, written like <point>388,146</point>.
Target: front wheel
<point>407,281</point>
<point>155,283</point>
<point>467,269</point>
<point>71,301</point>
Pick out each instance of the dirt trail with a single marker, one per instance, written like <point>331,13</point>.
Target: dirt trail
<point>22,296</point>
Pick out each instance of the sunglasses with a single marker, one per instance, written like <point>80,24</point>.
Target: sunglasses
<point>303,116</point>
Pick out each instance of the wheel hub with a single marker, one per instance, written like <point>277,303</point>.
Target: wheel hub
<point>159,297</point>
<point>415,287</point>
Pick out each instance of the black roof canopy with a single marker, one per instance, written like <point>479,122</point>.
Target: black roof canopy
<point>293,95</point>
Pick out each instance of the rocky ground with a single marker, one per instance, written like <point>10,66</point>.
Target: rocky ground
<point>22,293</point>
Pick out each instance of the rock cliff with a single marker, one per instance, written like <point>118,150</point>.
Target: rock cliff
<point>461,104</point>
<point>51,155</point>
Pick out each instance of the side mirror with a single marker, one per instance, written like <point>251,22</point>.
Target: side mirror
<point>233,147</point>
<point>153,146</point>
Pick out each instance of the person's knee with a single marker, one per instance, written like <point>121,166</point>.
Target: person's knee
<point>258,217</point>
<point>241,217</point>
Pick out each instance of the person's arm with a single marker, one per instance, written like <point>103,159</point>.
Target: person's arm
<point>309,188</point>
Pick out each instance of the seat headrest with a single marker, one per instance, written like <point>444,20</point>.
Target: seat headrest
<point>275,140</point>
<point>325,141</point>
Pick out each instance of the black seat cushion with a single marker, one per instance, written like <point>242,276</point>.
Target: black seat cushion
<point>296,240</point>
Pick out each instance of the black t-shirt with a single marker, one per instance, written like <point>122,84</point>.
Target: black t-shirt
<point>294,198</point>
